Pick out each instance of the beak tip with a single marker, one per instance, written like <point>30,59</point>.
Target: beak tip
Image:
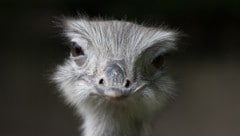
<point>113,95</point>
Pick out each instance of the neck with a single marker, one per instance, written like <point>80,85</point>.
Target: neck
<point>117,125</point>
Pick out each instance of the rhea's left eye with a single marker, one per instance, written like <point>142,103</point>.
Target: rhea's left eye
<point>158,61</point>
<point>76,50</point>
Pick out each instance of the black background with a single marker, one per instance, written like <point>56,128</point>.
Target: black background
<point>207,68</point>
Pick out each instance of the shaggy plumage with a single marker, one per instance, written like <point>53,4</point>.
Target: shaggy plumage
<point>115,77</point>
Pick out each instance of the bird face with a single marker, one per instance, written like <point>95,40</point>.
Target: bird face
<point>115,62</point>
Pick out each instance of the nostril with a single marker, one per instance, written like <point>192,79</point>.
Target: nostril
<point>127,84</point>
<point>101,81</point>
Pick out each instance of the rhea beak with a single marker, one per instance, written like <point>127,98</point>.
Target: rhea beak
<point>114,83</point>
<point>113,93</point>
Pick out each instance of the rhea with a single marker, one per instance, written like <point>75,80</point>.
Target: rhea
<point>115,76</point>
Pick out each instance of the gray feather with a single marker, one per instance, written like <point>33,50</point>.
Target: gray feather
<point>135,45</point>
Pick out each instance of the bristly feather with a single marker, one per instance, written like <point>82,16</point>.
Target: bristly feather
<point>104,40</point>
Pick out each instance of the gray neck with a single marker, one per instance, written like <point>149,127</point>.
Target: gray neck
<point>107,125</point>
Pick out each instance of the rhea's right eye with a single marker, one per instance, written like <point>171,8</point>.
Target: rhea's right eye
<point>76,50</point>
<point>158,61</point>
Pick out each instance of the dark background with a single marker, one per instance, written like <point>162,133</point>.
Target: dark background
<point>207,68</point>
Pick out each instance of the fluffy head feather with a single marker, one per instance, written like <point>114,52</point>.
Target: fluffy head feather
<point>102,41</point>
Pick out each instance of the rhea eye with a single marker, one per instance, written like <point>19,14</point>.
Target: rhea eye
<point>158,61</point>
<point>76,50</point>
